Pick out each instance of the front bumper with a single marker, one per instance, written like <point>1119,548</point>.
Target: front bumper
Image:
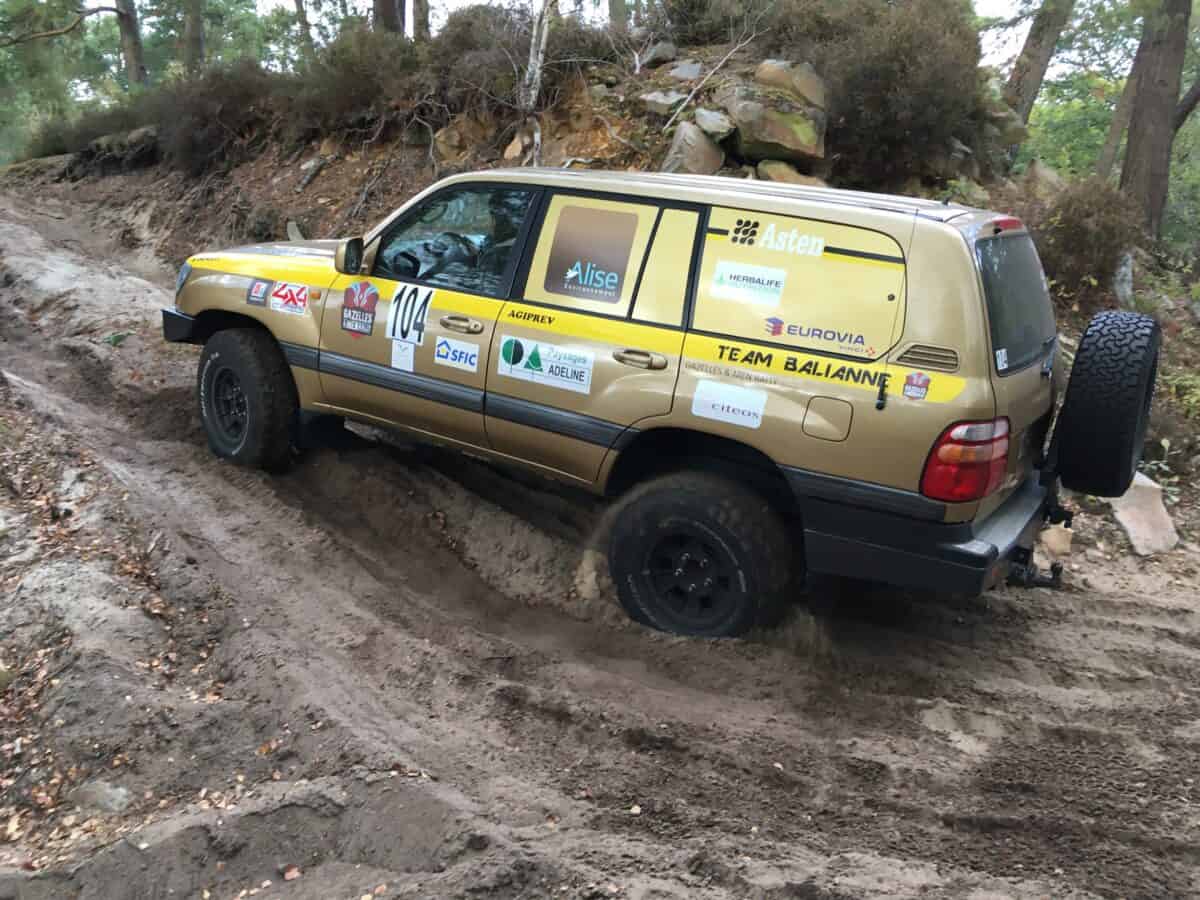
<point>966,557</point>
<point>178,327</point>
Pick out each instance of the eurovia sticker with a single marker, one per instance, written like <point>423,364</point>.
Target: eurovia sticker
<point>290,298</point>
<point>548,364</point>
<point>358,308</point>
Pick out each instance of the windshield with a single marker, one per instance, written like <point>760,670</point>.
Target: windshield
<point>1018,300</point>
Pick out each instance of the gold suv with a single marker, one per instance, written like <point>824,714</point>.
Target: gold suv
<point>770,379</point>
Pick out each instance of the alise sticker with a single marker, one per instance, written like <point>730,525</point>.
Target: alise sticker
<point>358,308</point>
<point>290,298</point>
<point>745,283</point>
<point>728,403</point>
<point>548,364</point>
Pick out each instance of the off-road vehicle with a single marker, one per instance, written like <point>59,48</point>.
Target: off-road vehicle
<point>772,380</point>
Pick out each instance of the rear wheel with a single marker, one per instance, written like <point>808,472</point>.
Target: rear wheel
<point>247,398</point>
<point>698,554</point>
<point>1106,411</point>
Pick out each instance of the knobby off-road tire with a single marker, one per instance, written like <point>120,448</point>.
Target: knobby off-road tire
<point>1105,413</point>
<point>698,554</point>
<point>247,398</point>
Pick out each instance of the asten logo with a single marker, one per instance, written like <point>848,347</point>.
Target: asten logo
<point>745,232</point>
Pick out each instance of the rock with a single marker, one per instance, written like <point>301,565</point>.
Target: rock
<point>662,52</point>
<point>1041,180</point>
<point>772,123</point>
<point>685,71</point>
<point>100,796</point>
<point>662,102</point>
<point>801,80</point>
<point>715,124</point>
<point>293,231</point>
<point>1140,511</point>
<point>693,151</point>
<point>777,170</point>
<point>598,91</point>
<point>1123,280</point>
<point>1057,541</point>
<point>309,164</point>
<point>515,148</point>
<point>328,147</point>
<point>463,134</point>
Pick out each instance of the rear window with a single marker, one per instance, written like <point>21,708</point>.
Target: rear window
<point>1019,309</point>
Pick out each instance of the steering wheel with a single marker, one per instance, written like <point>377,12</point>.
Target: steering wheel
<point>464,245</point>
<point>413,259</point>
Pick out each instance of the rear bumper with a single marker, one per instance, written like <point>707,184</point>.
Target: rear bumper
<point>178,327</point>
<point>878,545</point>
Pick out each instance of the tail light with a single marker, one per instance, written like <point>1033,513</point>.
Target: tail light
<point>968,461</point>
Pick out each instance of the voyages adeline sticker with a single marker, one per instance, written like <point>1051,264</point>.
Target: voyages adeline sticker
<point>358,308</point>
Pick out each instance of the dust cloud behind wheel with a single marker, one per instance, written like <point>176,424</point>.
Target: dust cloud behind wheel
<point>1106,411</point>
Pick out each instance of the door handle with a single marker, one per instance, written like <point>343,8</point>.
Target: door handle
<point>641,359</point>
<point>461,323</point>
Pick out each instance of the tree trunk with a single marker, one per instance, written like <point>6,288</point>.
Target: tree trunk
<point>306,39</point>
<point>1146,174</point>
<point>421,20</point>
<point>1187,104</point>
<point>1118,124</point>
<point>389,16</point>
<point>618,13</point>
<point>193,36</point>
<point>1030,68</point>
<point>531,85</point>
<point>131,42</point>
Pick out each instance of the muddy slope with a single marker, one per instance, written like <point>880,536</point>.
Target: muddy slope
<point>392,669</point>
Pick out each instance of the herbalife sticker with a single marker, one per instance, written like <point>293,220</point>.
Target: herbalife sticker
<point>547,364</point>
<point>290,298</point>
<point>729,403</point>
<point>358,308</point>
<point>745,283</point>
<point>590,253</point>
<point>456,354</point>
<point>410,306</point>
<point>402,356</point>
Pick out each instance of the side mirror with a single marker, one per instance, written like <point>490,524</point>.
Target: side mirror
<point>349,256</point>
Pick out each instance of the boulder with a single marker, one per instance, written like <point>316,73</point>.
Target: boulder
<point>662,52</point>
<point>598,91</point>
<point>693,151</point>
<point>773,123</point>
<point>685,71</point>
<point>801,80</point>
<point>1123,280</point>
<point>662,102</point>
<point>715,124</point>
<point>1140,511</point>
<point>100,797</point>
<point>514,149</point>
<point>777,170</point>
<point>463,134</point>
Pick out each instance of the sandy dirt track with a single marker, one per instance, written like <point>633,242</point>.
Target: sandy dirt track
<point>394,668</point>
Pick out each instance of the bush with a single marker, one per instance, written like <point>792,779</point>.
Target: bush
<point>1081,233</point>
<point>55,136</point>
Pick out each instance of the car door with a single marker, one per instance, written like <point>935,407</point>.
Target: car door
<point>590,346</point>
<point>407,344</point>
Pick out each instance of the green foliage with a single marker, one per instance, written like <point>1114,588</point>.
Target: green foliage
<point>1185,388</point>
<point>1070,122</point>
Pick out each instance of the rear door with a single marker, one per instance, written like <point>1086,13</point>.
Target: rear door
<point>1024,347</point>
<point>592,345</point>
<point>408,345</point>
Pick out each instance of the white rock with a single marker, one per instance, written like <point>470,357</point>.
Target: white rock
<point>663,102</point>
<point>716,125</point>
<point>1123,281</point>
<point>1144,517</point>
<point>1057,541</point>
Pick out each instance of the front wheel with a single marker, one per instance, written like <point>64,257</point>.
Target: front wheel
<point>698,554</point>
<point>247,398</point>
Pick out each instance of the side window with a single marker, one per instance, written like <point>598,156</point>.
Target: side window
<point>664,280</point>
<point>462,239</point>
<point>800,282</point>
<point>589,253</point>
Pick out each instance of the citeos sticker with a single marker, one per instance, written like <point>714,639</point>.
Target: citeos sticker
<point>728,403</point>
<point>747,283</point>
<point>410,307</point>
<point>547,364</point>
<point>290,298</point>
<point>916,385</point>
<point>456,354</point>
<point>256,294</point>
<point>358,308</point>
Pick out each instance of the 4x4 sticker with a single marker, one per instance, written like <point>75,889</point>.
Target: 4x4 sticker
<point>290,298</point>
<point>548,364</point>
<point>256,294</point>
<point>729,403</point>
<point>358,308</point>
<point>746,283</point>
<point>410,306</point>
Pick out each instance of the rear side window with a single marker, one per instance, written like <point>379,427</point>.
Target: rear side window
<point>800,283</point>
<point>1018,300</point>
